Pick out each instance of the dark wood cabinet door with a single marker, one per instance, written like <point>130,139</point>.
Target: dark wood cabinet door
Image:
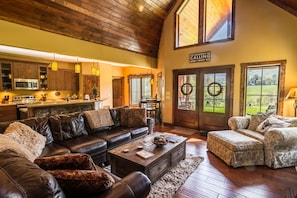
<point>71,80</point>
<point>88,82</point>
<point>52,79</point>
<point>25,70</point>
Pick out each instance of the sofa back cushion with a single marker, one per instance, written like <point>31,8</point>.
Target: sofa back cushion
<point>39,124</point>
<point>67,126</point>
<point>22,178</point>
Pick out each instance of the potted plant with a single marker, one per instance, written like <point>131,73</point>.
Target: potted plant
<point>95,92</point>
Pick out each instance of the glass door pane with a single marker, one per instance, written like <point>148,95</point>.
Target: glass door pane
<point>214,92</point>
<point>187,92</point>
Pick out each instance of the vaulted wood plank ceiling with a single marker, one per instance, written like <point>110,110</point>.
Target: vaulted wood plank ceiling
<point>115,23</point>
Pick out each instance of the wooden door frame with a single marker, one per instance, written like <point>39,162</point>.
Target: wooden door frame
<point>122,88</point>
<point>197,71</point>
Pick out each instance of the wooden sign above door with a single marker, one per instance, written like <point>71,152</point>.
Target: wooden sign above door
<point>200,57</point>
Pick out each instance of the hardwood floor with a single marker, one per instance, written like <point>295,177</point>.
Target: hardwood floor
<point>214,179</point>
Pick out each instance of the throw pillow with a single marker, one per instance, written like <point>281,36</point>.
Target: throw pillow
<point>136,117</point>
<point>291,120</point>
<point>6,143</point>
<point>26,136</point>
<point>82,182</point>
<point>271,122</point>
<point>257,119</point>
<point>99,118</point>
<point>70,161</point>
<point>124,120</point>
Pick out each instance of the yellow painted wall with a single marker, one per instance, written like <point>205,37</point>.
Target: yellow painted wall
<point>25,37</point>
<point>136,71</point>
<point>263,32</point>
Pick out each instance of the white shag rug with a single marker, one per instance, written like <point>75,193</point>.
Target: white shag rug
<point>169,183</point>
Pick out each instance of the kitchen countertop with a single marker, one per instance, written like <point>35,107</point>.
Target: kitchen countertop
<point>8,104</point>
<point>51,103</point>
<point>59,102</point>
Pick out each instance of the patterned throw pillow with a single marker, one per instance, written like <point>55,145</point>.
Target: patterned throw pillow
<point>136,117</point>
<point>271,122</point>
<point>99,118</point>
<point>256,120</point>
<point>27,137</point>
<point>124,120</point>
<point>70,161</point>
<point>82,182</point>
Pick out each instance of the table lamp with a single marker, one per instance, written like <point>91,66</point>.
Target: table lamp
<point>293,95</point>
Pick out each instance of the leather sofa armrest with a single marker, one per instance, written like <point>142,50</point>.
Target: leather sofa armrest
<point>134,185</point>
<point>150,124</point>
<point>238,122</point>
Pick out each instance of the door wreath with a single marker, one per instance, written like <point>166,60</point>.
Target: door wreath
<point>186,88</point>
<point>214,89</point>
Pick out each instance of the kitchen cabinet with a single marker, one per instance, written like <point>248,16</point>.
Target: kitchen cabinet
<point>25,70</point>
<point>88,83</point>
<point>8,113</point>
<point>43,77</point>
<point>63,79</point>
<point>6,75</point>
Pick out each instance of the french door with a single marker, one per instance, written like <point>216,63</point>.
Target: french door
<point>203,97</point>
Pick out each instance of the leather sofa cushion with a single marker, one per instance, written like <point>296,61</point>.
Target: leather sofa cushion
<point>54,149</point>
<point>39,124</point>
<point>115,136</point>
<point>116,116</point>
<point>67,126</point>
<point>85,144</point>
<point>138,132</point>
<point>21,178</point>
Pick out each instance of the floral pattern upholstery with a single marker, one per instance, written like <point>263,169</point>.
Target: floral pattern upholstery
<point>235,149</point>
<point>280,144</point>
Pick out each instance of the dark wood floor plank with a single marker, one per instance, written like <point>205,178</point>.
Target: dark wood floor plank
<point>214,179</point>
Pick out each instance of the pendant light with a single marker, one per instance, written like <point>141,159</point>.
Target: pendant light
<point>77,67</point>
<point>54,64</point>
<point>93,69</point>
<point>98,69</point>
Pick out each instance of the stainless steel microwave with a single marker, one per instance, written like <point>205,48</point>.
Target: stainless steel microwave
<point>25,84</point>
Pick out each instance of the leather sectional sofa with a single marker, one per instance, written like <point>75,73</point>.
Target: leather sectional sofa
<point>71,133</point>
<point>75,133</point>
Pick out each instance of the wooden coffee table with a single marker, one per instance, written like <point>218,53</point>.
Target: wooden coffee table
<point>123,162</point>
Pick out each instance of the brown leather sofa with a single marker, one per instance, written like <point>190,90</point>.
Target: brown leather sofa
<point>71,133</point>
<point>21,178</point>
